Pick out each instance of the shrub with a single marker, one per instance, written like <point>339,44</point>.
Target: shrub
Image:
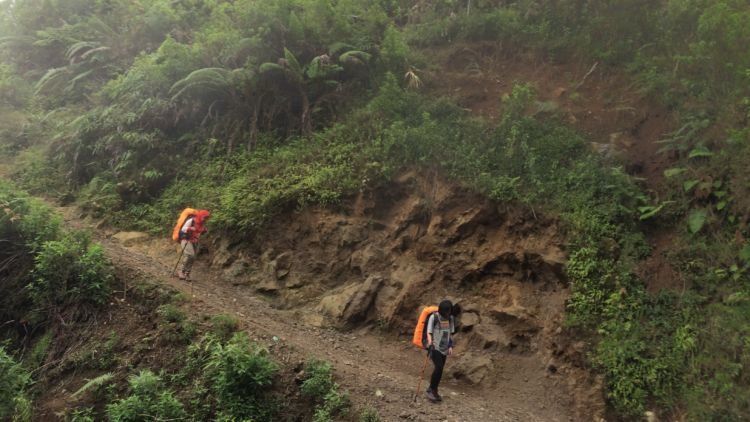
<point>318,380</point>
<point>13,383</point>
<point>176,328</point>
<point>241,375</point>
<point>71,270</point>
<point>39,351</point>
<point>147,397</point>
<point>319,386</point>
<point>369,414</point>
<point>224,326</point>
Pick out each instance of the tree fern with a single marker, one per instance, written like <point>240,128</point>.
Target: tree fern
<point>293,63</point>
<point>355,57</point>
<point>52,80</point>
<point>210,80</point>
<point>74,50</point>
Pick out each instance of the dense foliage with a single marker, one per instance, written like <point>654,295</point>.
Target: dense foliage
<point>251,108</point>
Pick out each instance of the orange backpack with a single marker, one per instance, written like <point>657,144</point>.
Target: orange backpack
<point>420,331</point>
<point>184,215</point>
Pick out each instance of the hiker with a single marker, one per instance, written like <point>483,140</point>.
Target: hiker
<point>190,231</point>
<point>440,327</point>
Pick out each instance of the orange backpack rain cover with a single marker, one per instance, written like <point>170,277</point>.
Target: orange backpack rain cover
<point>184,215</point>
<point>419,329</point>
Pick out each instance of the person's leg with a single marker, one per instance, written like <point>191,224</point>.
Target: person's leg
<point>188,256</point>
<point>438,360</point>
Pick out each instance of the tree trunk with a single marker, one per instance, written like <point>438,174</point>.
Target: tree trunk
<point>305,123</point>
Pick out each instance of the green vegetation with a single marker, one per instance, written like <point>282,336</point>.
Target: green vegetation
<point>148,398</point>
<point>252,108</point>
<point>320,387</point>
<point>14,381</point>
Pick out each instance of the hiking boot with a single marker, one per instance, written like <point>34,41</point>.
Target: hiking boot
<point>437,396</point>
<point>181,275</point>
<point>431,396</point>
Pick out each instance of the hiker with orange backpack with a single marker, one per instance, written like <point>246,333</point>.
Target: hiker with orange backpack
<point>434,332</point>
<point>190,226</point>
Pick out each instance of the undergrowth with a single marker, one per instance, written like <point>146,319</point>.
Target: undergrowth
<point>255,108</point>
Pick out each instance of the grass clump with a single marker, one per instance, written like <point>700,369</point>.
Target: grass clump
<point>175,326</point>
<point>224,326</point>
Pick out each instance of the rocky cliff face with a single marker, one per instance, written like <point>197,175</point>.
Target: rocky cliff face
<point>383,255</point>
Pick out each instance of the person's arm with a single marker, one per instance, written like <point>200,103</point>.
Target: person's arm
<point>430,326</point>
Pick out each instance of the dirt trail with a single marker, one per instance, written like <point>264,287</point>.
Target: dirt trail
<point>376,370</point>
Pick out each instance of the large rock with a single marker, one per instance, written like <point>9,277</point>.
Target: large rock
<point>362,300</point>
<point>487,336</point>
<point>351,235</point>
<point>468,320</point>
<point>222,256</point>
<point>334,305</point>
<point>366,258</point>
<point>279,267</point>
<point>352,304</point>
<point>130,238</point>
<point>268,285</point>
<point>474,368</point>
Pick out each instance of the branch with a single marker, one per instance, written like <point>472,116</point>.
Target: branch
<point>593,68</point>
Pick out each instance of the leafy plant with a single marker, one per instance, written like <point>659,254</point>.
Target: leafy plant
<point>147,397</point>
<point>241,375</point>
<point>14,381</point>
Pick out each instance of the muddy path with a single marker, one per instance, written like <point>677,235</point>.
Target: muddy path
<point>375,368</point>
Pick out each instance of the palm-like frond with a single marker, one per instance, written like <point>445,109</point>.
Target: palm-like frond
<point>53,79</point>
<point>338,48</point>
<point>17,41</point>
<point>93,51</point>
<point>97,382</point>
<point>270,68</point>
<point>202,82</point>
<point>321,68</point>
<point>80,47</point>
<point>292,62</point>
<point>355,57</point>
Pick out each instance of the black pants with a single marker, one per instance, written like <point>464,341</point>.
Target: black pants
<point>438,359</point>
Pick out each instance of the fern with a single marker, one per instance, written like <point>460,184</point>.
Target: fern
<point>96,383</point>
<point>74,50</point>
<point>293,63</point>
<point>204,81</point>
<point>52,80</point>
<point>355,57</point>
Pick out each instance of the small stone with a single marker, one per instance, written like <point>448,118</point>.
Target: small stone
<point>378,394</point>
<point>275,339</point>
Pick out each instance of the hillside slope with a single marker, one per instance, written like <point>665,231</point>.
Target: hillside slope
<point>514,360</point>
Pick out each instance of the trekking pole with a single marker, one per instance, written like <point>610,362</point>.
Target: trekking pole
<point>178,260</point>
<point>421,376</point>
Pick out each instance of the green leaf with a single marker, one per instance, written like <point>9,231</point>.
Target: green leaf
<point>292,62</point>
<point>745,253</point>
<point>700,151</point>
<point>690,184</point>
<point>651,210</point>
<point>696,220</point>
<point>674,171</point>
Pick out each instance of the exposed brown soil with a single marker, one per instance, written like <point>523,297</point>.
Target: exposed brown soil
<point>367,268</point>
<point>601,102</point>
<point>346,285</point>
